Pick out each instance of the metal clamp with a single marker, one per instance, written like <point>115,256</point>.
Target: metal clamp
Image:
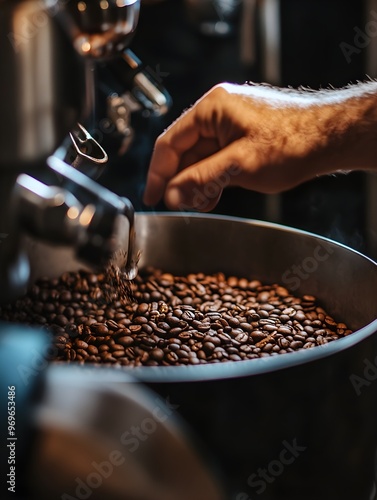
<point>86,147</point>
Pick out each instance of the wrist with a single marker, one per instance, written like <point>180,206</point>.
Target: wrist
<point>350,130</point>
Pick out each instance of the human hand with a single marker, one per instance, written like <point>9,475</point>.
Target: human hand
<point>257,137</point>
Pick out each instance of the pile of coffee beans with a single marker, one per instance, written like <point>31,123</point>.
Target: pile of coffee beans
<point>162,319</point>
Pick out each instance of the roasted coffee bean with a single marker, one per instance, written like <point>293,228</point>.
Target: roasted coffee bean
<point>116,347</point>
<point>99,329</point>
<point>270,328</point>
<point>142,308</point>
<point>309,329</point>
<point>147,329</point>
<point>224,337</point>
<point>171,357</point>
<point>125,340</point>
<point>198,335</point>
<point>117,354</point>
<point>263,314</point>
<point>185,335</point>
<point>140,320</point>
<point>148,342</point>
<point>157,354</point>
<point>247,348</point>
<point>81,344</point>
<point>61,320</point>
<point>267,347</point>
<point>135,328</point>
<point>235,357</point>
<point>208,347</point>
<point>65,296</point>
<point>300,316</point>
<point>92,349</point>
<point>188,316</point>
<point>284,343</point>
<point>212,338</point>
<point>174,346</point>
<point>171,319</point>
<point>204,327</point>
<point>82,353</point>
<point>300,338</point>
<point>103,348</point>
<point>242,337</point>
<point>285,330</point>
<point>233,322</point>
<point>296,344</point>
<point>258,335</point>
<point>71,354</point>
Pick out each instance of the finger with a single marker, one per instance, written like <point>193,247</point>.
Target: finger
<point>164,164</point>
<point>200,186</point>
<point>179,138</point>
<point>202,149</point>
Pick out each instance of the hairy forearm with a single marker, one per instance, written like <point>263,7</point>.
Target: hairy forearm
<point>333,129</point>
<point>352,124</point>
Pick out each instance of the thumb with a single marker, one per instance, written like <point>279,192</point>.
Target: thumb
<point>200,186</point>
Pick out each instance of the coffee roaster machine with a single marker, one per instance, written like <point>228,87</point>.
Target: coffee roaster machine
<point>67,72</point>
<point>293,426</point>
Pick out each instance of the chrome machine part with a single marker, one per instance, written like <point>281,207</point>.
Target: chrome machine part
<point>43,44</point>
<point>147,92</point>
<point>49,212</point>
<point>138,92</point>
<point>76,212</point>
<point>77,432</point>
<point>96,223</point>
<point>23,362</point>
<point>102,29</point>
<point>14,265</point>
<point>83,152</point>
<point>247,411</point>
<point>86,147</point>
<point>213,17</point>
<point>119,110</point>
<point>40,101</point>
<point>39,105</point>
<point>108,220</point>
<point>114,439</point>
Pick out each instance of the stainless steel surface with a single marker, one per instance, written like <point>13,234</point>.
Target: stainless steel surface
<point>119,109</point>
<point>148,94</point>
<point>41,101</point>
<point>101,28</point>
<point>45,211</point>
<point>86,147</point>
<point>14,267</point>
<point>140,93</point>
<point>110,438</point>
<point>245,411</point>
<point>213,17</point>
<point>50,52</point>
<point>344,280</point>
<point>107,221</point>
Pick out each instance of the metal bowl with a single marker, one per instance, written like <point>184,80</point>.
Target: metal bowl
<point>298,425</point>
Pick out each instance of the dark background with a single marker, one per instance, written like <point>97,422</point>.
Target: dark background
<point>189,63</point>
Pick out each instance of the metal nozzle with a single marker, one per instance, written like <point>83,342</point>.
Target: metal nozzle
<point>79,213</point>
<point>110,232</point>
